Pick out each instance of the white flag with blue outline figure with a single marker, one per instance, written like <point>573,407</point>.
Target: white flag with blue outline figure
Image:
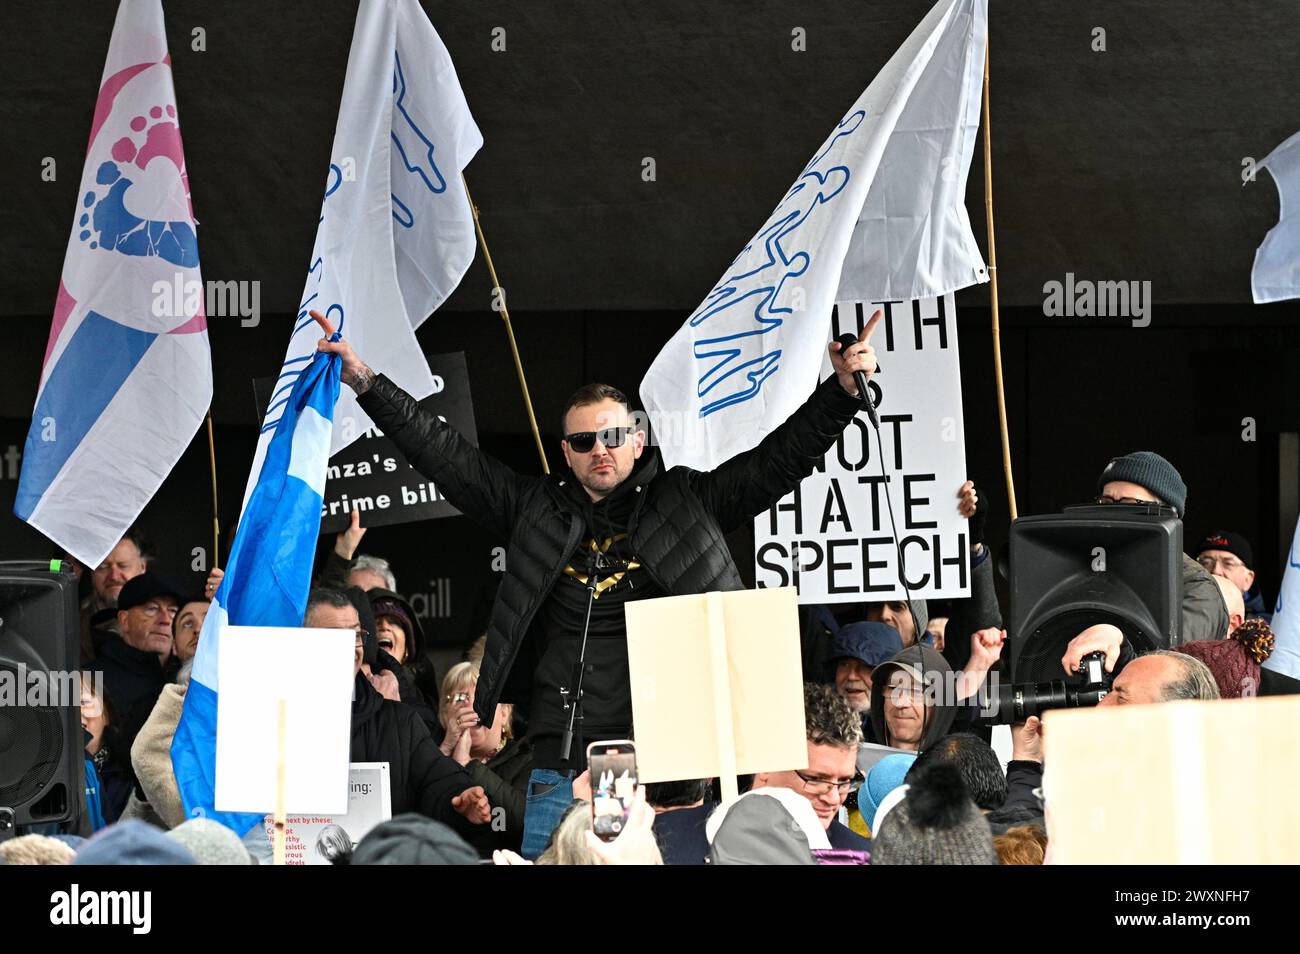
<point>877,214</point>
<point>396,234</point>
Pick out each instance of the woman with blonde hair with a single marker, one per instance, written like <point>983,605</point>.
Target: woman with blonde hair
<point>492,756</point>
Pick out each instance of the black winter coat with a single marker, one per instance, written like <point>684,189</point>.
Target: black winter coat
<point>676,529</point>
<point>420,777</point>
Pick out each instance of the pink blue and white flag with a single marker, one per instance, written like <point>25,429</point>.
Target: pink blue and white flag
<point>127,377</point>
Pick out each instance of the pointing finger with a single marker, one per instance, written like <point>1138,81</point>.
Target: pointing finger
<point>870,328</point>
<point>323,322</point>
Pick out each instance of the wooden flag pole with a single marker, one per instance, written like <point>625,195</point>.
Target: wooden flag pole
<point>281,755</point>
<point>510,332</point>
<point>721,678</point>
<point>993,288</point>
<point>216,524</point>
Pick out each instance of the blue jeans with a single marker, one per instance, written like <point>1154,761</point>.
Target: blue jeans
<point>549,794</point>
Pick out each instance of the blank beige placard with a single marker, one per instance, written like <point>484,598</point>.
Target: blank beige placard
<point>673,698</point>
<point>1174,783</point>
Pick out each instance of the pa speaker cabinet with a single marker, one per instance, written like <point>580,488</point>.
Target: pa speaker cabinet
<point>1104,563</point>
<point>41,748</point>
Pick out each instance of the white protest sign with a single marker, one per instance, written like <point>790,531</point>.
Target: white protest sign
<point>319,839</point>
<point>716,685</point>
<point>833,537</point>
<point>311,671</point>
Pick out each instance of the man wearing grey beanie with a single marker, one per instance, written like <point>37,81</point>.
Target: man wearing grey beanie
<point>1145,476</point>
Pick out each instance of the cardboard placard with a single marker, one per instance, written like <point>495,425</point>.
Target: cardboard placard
<point>832,537</point>
<point>1174,783</point>
<point>684,691</point>
<point>372,476</point>
<point>318,839</point>
<point>311,671</point>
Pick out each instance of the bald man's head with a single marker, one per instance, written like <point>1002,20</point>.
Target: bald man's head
<point>1232,598</point>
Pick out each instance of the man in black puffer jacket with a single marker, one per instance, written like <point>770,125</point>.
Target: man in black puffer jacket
<point>615,512</point>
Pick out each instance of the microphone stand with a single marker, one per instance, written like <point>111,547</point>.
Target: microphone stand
<point>566,739</point>
<point>847,340</point>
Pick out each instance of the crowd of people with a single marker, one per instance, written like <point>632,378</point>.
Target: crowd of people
<point>899,768</point>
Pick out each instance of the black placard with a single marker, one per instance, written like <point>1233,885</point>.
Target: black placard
<point>371,475</point>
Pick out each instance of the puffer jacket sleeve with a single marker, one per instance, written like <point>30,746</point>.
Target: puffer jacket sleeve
<point>481,487</point>
<point>754,480</point>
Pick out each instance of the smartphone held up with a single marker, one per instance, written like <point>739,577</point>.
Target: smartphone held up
<point>613,785</point>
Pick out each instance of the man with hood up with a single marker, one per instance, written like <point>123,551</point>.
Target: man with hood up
<point>912,702</point>
<point>916,698</point>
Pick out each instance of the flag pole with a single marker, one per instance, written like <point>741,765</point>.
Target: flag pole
<point>216,524</point>
<point>510,332</point>
<point>993,288</point>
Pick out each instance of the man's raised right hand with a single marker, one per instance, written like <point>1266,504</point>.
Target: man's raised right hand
<point>355,373</point>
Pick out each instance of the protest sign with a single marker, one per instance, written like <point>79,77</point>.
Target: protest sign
<point>1153,784</point>
<point>833,537</point>
<point>307,675</point>
<point>717,687</point>
<point>371,475</point>
<point>319,839</point>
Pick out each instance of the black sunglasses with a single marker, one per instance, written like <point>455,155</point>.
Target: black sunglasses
<point>584,441</point>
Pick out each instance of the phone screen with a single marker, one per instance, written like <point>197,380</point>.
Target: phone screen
<point>613,783</point>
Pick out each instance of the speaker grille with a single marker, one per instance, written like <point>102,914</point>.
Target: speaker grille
<point>1040,660</point>
<point>31,744</point>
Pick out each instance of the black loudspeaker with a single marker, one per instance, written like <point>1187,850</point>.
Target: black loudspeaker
<point>1103,563</point>
<point>41,747</point>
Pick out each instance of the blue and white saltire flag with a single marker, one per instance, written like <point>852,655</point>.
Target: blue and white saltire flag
<point>877,214</point>
<point>1276,273</point>
<point>396,234</point>
<point>127,376</point>
<point>268,573</point>
<point>1286,616</point>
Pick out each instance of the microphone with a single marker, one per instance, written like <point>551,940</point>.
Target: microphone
<point>845,340</point>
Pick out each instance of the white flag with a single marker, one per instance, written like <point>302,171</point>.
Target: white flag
<point>1286,617</point>
<point>396,234</point>
<point>1276,274</point>
<point>877,214</point>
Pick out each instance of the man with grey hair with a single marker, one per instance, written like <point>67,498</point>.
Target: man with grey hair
<point>372,573</point>
<point>1161,676</point>
<point>834,734</point>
